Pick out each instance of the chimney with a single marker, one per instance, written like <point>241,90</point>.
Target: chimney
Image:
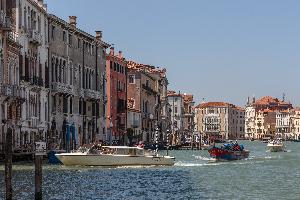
<point>112,51</point>
<point>40,2</point>
<point>72,20</point>
<point>120,55</point>
<point>98,35</point>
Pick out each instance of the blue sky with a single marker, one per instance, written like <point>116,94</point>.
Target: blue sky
<point>221,50</point>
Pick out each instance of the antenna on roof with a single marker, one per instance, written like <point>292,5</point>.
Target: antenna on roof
<point>283,97</point>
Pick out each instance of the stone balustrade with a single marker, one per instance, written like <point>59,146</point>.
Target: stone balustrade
<point>13,91</point>
<point>62,88</point>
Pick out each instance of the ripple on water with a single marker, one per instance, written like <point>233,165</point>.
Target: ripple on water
<point>194,176</point>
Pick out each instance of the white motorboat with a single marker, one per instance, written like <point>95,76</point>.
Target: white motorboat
<point>275,145</point>
<point>98,155</point>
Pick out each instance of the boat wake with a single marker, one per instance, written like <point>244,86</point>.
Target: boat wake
<point>182,164</point>
<point>204,158</point>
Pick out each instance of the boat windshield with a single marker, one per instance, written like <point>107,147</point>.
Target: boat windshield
<point>123,151</point>
<point>82,149</point>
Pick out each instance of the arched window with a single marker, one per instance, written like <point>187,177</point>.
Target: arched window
<point>71,74</point>
<point>64,70</point>
<point>25,18</point>
<point>89,80</point>
<point>86,79</point>
<point>56,70</point>
<point>39,24</point>
<point>20,14</point>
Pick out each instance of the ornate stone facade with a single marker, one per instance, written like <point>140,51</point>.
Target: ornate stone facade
<point>77,72</point>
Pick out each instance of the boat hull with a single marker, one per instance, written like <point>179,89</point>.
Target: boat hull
<point>228,155</point>
<point>113,160</point>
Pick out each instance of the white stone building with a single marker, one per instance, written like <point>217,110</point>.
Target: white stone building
<point>176,102</point>
<point>295,123</point>
<point>283,124</point>
<point>260,116</point>
<point>11,93</point>
<point>24,74</point>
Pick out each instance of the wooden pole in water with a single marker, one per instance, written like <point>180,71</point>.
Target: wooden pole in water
<point>8,164</point>
<point>200,142</point>
<point>38,177</point>
<point>168,141</point>
<point>156,139</point>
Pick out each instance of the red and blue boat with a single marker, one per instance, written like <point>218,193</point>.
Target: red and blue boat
<point>229,152</point>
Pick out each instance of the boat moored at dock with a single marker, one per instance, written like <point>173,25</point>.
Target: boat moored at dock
<point>97,155</point>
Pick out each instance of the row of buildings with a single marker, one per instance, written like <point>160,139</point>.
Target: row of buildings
<point>52,77</point>
<point>267,117</point>
<point>62,85</point>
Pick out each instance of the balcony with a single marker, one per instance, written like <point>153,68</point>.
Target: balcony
<point>5,22</point>
<point>13,91</point>
<point>148,89</point>
<point>25,78</point>
<point>62,88</point>
<point>92,94</point>
<point>35,37</point>
<point>37,81</point>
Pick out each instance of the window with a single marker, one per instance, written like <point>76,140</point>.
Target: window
<point>64,36</point>
<point>53,32</point>
<point>70,39</point>
<point>118,67</point>
<point>79,43</point>
<point>175,109</point>
<point>131,79</point>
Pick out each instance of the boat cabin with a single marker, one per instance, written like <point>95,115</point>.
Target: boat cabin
<point>122,150</point>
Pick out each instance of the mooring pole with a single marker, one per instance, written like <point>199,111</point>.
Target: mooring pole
<point>200,142</point>
<point>168,141</point>
<point>156,139</point>
<point>40,150</point>
<point>38,177</point>
<point>8,164</point>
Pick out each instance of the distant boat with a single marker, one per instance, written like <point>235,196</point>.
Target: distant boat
<point>97,155</point>
<point>229,152</point>
<point>275,145</point>
<point>266,139</point>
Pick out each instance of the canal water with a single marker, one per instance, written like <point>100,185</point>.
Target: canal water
<point>264,175</point>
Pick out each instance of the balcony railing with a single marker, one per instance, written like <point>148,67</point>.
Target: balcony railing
<point>62,88</point>
<point>25,78</point>
<point>13,91</point>
<point>92,94</point>
<point>35,37</point>
<point>37,81</point>
<point>148,89</point>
